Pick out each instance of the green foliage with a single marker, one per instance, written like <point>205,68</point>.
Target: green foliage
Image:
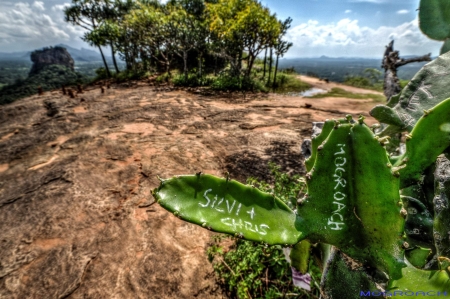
<point>357,81</point>
<point>403,83</point>
<point>151,36</point>
<point>250,270</point>
<point>164,78</point>
<point>290,83</point>
<point>192,80</point>
<point>371,79</point>
<point>101,74</point>
<point>340,93</point>
<point>49,78</point>
<point>11,71</point>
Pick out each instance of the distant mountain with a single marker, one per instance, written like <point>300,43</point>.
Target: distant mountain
<point>83,55</point>
<point>15,56</point>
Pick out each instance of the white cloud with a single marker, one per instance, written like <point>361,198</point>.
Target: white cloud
<point>348,38</point>
<point>39,5</point>
<point>348,11</point>
<point>403,11</point>
<point>60,7</point>
<point>26,27</point>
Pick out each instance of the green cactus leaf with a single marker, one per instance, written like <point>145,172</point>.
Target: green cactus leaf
<point>430,137</point>
<point>415,280</point>
<point>317,141</point>
<point>419,222</point>
<point>230,207</point>
<point>445,47</point>
<point>300,256</point>
<point>386,115</point>
<point>344,278</point>
<point>428,88</point>
<point>434,18</point>
<point>353,199</point>
<point>418,256</point>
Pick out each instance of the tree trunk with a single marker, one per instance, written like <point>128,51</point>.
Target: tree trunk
<point>104,62</point>
<point>185,65</point>
<point>275,74</point>
<point>391,62</point>
<point>239,63</point>
<point>251,60</point>
<point>270,66</point>
<point>113,53</point>
<point>200,64</point>
<point>265,61</point>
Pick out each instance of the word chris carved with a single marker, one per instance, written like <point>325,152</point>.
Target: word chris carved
<point>223,206</point>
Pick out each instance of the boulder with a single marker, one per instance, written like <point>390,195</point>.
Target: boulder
<point>49,56</point>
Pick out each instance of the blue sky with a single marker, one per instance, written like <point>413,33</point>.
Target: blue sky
<point>335,28</point>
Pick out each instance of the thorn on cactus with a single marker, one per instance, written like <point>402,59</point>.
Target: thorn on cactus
<point>361,119</point>
<point>408,137</point>
<point>403,212</point>
<point>336,124</point>
<point>349,118</point>
<point>426,112</point>
<point>405,245</point>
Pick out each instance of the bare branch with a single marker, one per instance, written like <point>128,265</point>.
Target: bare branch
<point>414,59</point>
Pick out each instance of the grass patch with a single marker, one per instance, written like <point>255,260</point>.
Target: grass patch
<point>340,93</point>
<point>290,83</point>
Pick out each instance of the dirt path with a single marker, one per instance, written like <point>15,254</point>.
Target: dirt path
<point>75,186</point>
<point>316,82</point>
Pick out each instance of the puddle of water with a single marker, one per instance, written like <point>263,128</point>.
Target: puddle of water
<point>307,93</point>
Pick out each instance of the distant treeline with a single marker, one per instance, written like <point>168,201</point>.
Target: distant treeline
<point>340,69</point>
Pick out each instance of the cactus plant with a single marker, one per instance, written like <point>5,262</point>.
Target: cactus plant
<point>434,21</point>
<point>386,216</point>
<point>354,205</point>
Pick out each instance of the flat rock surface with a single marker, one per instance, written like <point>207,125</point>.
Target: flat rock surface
<point>77,217</point>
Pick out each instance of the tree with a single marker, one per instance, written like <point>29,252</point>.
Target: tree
<point>281,46</point>
<point>88,14</point>
<point>238,26</point>
<point>184,30</point>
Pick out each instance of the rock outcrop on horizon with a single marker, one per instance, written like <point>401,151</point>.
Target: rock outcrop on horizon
<point>49,56</point>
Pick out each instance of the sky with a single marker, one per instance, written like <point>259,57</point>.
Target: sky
<point>334,28</point>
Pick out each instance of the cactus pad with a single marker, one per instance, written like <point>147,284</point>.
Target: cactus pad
<point>353,199</point>
<point>428,88</point>
<point>230,207</point>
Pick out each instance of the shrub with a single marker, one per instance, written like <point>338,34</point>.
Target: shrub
<point>192,80</point>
